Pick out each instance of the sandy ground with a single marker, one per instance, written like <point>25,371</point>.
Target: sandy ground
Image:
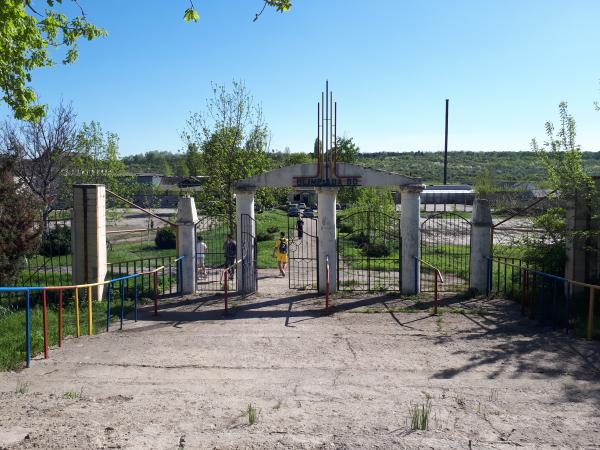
<point>345,380</point>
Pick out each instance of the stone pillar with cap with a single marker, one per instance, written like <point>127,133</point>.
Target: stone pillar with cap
<point>410,231</point>
<point>186,243</point>
<point>481,245</point>
<point>327,234</point>
<point>245,237</point>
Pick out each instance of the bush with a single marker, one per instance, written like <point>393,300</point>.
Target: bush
<point>272,230</point>
<point>166,238</point>
<point>264,236</point>
<point>56,242</point>
<point>346,228</point>
<point>376,250</point>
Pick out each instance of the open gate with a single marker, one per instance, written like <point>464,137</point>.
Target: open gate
<point>446,244</point>
<point>303,252</point>
<point>369,252</point>
<point>210,265</point>
<point>249,253</point>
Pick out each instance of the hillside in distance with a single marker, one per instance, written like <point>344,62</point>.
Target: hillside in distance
<point>463,167</point>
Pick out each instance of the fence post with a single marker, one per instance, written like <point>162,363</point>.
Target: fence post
<point>410,230</point>
<point>45,320</point>
<point>28,329</point>
<point>481,245</point>
<point>155,293</point>
<point>590,327</point>
<point>60,317</point>
<point>186,244</point>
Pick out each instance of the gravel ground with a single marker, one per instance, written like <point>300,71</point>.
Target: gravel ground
<point>345,380</point>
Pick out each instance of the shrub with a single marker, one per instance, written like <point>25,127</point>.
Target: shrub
<point>56,242</point>
<point>375,250</point>
<point>346,228</point>
<point>272,229</point>
<point>166,238</point>
<point>264,236</point>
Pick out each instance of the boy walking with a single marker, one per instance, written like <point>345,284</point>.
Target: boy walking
<point>281,252</point>
<point>201,250</point>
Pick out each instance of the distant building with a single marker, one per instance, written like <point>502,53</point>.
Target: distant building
<point>148,178</point>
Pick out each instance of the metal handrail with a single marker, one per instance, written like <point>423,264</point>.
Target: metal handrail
<point>223,279</point>
<point>438,274</point>
<point>327,282</point>
<point>592,287</point>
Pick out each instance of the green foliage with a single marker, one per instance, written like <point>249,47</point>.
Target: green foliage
<point>166,238</point>
<point>27,39</point>
<point>252,414</point>
<point>193,160</point>
<point>191,15</point>
<point>485,184</point>
<point>56,242</point>
<point>182,169</point>
<point>232,138</point>
<point>562,159</point>
<point>18,234</point>
<point>264,236</point>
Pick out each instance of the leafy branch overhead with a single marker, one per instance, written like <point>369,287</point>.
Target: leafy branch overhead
<point>33,33</point>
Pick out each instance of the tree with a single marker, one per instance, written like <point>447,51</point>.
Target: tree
<point>232,137</point>
<point>42,153</point>
<point>346,150</point>
<point>97,159</point>
<point>19,214</point>
<point>193,160</point>
<point>485,184</point>
<point>182,169</point>
<point>27,35</point>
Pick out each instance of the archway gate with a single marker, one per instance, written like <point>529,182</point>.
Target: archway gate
<point>446,244</point>
<point>210,266</point>
<point>369,252</point>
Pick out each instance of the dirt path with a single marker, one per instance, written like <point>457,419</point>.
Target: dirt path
<point>347,380</point>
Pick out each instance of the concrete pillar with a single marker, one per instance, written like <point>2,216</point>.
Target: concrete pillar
<point>481,245</point>
<point>186,243</point>
<point>88,234</point>
<point>410,230</point>
<point>327,233</point>
<point>245,220</point>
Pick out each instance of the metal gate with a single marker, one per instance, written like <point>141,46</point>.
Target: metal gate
<point>446,244</point>
<point>369,252</point>
<point>210,266</point>
<point>303,254</point>
<point>249,252</point>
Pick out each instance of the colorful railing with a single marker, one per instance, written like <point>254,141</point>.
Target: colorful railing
<point>88,288</point>
<point>436,277</point>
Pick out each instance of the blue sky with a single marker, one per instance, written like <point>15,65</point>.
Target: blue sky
<point>504,65</point>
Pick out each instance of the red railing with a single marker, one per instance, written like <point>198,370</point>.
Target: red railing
<point>437,275</point>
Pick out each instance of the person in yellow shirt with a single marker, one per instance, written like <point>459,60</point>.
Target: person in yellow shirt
<point>281,252</point>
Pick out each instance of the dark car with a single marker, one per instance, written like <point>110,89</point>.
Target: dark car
<point>309,213</point>
<point>293,212</point>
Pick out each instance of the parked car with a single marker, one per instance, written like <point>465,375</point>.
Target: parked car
<point>338,206</point>
<point>292,205</point>
<point>301,205</point>
<point>293,212</point>
<point>309,213</point>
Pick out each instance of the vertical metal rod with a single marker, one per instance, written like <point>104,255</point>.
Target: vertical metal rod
<point>108,298</point>
<point>335,132</point>
<point>155,295</point>
<point>45,320</point>
<point>28,329</point>
<point>446,145</point>
<point>122,295</point>
<point>77,330</point>
<point>135,298</point>
<point>89,302</point>
<point>590,327</point>
<point>60,317</point>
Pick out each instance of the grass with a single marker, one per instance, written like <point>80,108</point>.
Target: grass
<point>439,322</point>
<point>277,219</point>
<point>419,415</point>
<point>252,414</point>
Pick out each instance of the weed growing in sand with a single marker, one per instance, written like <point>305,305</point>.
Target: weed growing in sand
<point>22,387</point>
<point>460,401</point>
<point>493,395</point>
<point>419,415</point>
<point>252,414</point>
<point>439,322</point>
<point>73,394</point>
